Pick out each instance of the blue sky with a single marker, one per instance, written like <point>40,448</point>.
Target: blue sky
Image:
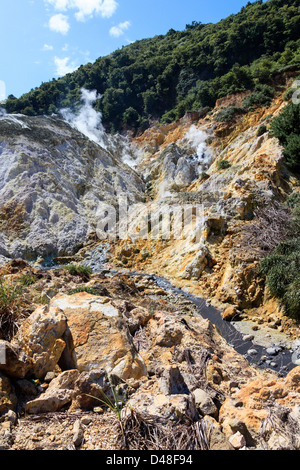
<point>42,39</point>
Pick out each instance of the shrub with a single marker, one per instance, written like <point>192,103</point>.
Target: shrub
<point>282,273</point>
<point>223,164</point>
<point>292,152</point>
<point>277,272</point>
<point>288,94</point>
<point>281,269</point>
<point>10,307</point>
<point>89,290</point>
<point>27,280</point>
<point>227,114</point>
<point>286,127</point>
<point>293,200</point>
<point>291,299</point>
<point>262,96</point>
<point>261,130</point>
<point>77,270</point>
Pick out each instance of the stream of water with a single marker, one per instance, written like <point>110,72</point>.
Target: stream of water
<point>280,359</point>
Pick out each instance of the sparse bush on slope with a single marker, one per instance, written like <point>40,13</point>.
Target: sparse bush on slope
<point>281,269</point>
<point>286,127</point>
<point>10,307</point>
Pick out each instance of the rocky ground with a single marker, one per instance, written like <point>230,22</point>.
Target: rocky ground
<point>171,368</point>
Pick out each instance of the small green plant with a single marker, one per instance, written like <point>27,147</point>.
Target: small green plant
<point>261,130</point>
<point>89,290</point>
<point>10,303</point>
<point>204,176</point>
<point>28,280</point>
<point>223,164</point>
<point>77,270</point>
<point>118,401</point>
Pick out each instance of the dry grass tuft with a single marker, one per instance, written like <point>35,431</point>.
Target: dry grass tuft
<point>145,432</point>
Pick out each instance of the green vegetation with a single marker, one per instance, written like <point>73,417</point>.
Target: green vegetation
<point>223,164</point>
<point>11,298</point>
<point>164,77</point>
<point>261,95</point>
<point>261,130</point>
<point>77,270</point>
<point>286,127</point>
<point>281,269</point>
<point>27,280</point>
<point>227,114</point>
<point>116,398</point>
<point>89,290</point>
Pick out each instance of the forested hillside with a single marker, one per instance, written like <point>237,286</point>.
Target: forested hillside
<point>166,76</point>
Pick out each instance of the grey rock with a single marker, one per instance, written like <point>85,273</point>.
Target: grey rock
<point>248,337</point>
<point>52,180</point>
<point>237,440</point>
<point>272,351</point>
<point>204,403</point>
<point>49,376</point>
<point>16,363</point>
<point>78,434</point>
<point>252,352</point>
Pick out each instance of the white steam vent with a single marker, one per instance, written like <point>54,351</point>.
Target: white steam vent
<point>197,139</point>
<point>88,121</point>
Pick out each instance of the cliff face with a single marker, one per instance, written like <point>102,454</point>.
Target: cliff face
<point>241,169</point>
<point>52,179</point>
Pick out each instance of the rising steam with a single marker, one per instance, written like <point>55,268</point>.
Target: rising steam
<point>88,121</point>
<point>197,139</point>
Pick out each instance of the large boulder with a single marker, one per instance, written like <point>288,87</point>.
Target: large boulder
<point>13,360</point>
<point>40,337</point>
<point>59,394</point>
<point>100,336</point>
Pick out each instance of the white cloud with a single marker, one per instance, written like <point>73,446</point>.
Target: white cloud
<point>47,47</point>
<point>117,31</point>
<point>63,66</point>
<point>59,23</point>
<point>86,8</point>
